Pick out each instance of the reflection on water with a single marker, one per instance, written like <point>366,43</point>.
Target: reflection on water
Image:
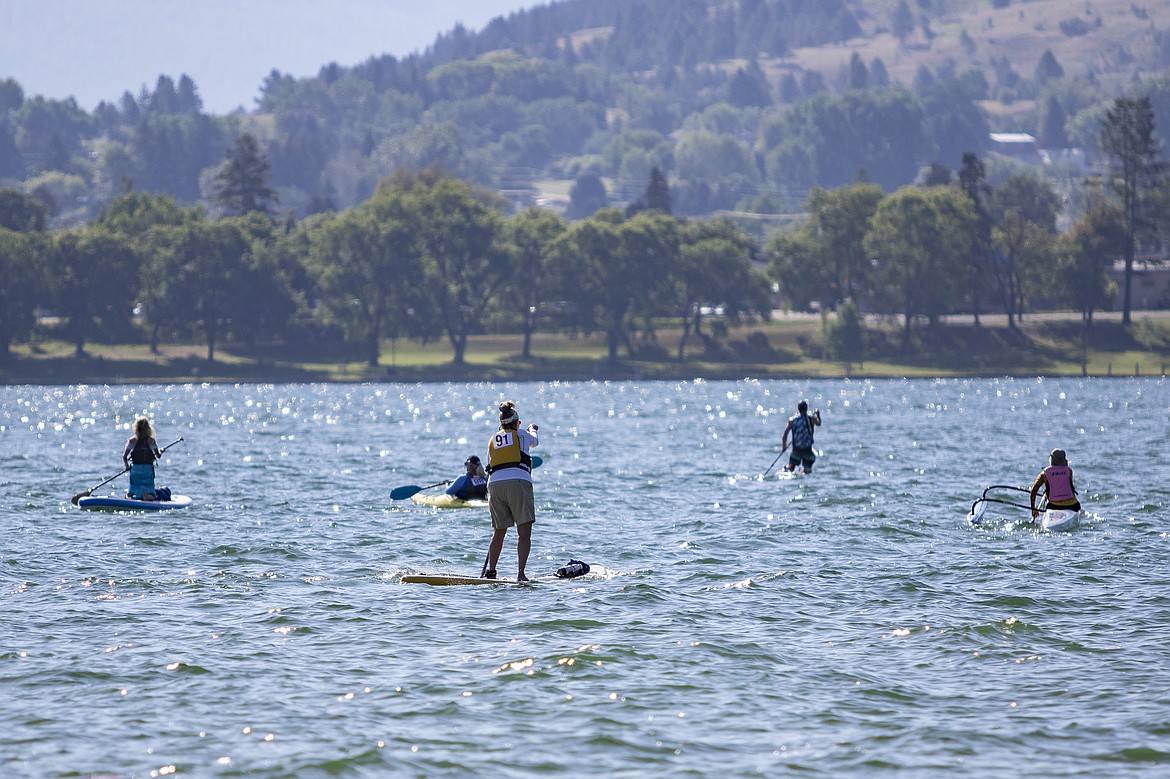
<point>841,624</point>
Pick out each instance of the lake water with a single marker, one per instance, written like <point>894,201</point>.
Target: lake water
<point>845,624</point>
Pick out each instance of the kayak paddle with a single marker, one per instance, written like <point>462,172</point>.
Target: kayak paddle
<point>87,493</point>
<point>407,490</point>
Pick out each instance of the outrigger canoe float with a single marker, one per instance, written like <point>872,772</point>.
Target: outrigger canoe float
<point>1051,518</point>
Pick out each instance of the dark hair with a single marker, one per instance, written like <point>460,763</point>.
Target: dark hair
<point>802,406</point>
<point>508,415</point>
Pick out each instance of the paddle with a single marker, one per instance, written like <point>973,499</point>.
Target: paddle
<point>407,490</point>
<point>87,493</point>
<point>773,465</point>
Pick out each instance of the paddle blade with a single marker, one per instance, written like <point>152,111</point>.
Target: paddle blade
<point>537,460</point>
<point>79,496</point>
<point>977,511</point>
<point>404,492</point>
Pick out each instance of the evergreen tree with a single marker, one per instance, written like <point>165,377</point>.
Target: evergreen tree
<point>902,21</point>
<point>241,184</point>
<point>1051,133</point>
<point>657,197</point>
<point>1048,68</point>
<point>1127,136</point>
<point>858,73</point>
<point>747,90</point>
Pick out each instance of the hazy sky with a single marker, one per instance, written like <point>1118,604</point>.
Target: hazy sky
<point>95,50</point>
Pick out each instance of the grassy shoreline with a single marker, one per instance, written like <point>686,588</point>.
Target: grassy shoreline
<point>788,347</point>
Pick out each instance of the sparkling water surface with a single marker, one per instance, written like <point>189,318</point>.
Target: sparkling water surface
<point>845,624</point>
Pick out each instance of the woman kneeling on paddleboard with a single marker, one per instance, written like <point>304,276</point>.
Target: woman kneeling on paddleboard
<point>1057,478</point>
<point>510,500</point>
<point>139,456</point>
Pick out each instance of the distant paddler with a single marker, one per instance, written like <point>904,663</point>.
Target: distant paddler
<point>801,426</point>
<point>1057,480</point>
<point>473,484</point>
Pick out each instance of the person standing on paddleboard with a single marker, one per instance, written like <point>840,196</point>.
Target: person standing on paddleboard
<point>801,426</point>
<point>139,456</point>
<point>1057,479</point>
<point>510,499</point>
<point>473,484</point>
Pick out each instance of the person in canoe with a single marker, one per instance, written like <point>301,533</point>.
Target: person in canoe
<point>139,456</point>
<point>510,500</point>
<point>1057,480</point>
<point>472,485</point>
<point>801,426</point>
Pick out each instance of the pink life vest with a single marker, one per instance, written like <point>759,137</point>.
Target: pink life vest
<point>1060,489</point>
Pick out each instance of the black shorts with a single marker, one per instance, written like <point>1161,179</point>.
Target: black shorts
<point>805,457</point>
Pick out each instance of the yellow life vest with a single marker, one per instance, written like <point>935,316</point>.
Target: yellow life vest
<point>504,452</point>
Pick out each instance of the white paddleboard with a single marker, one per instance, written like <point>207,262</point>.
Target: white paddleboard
<point>115,503</point>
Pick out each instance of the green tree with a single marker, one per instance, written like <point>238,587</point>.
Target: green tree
<point>919,240</point>
<point>715,271</point>
<point>204,279</point>
<point>839,219</point>
<point>94,283</point>
<point>1091,246</point>
<point>464,262</point>
<point>610,271</point>
<point>528,236</point>
<point>23,283</point>
<point>1025,250</point>
<point>368,269</point>
<point>1127,137</point>
<point>846,335</point>
<point>20,213</point>
<point>796,261</point>
<point>586,196</point>
<point>241,183</point>
<point>973,183</point>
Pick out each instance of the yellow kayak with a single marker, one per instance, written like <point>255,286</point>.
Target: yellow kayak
<point>444,501</point>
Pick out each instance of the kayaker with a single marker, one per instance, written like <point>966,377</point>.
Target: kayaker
<point>801,426</point>
<point>139,456</point>
<point>473,484</point>
<point>1057,479</point>
<point>510,500</point>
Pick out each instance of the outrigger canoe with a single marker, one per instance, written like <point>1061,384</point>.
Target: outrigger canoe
<point>115,503</point>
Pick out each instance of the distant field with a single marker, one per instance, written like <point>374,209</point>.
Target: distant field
<point>789,346</point>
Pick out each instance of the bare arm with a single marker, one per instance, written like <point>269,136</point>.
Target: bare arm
<point>1032,495</point>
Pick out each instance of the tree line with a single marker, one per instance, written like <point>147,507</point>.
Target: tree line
<point>431,256</point>
<point>600,93</point>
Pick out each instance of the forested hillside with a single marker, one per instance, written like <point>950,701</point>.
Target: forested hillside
<point>744,105</point>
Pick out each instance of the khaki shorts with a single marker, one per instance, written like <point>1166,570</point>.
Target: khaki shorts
<point>511,503</point>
